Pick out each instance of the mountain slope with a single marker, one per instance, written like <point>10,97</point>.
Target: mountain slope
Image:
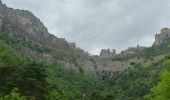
<point>32,39</point>
<point>43,66</point>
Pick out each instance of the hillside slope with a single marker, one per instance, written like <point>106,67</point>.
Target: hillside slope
<point>43,66</point>
<point>33,40</point>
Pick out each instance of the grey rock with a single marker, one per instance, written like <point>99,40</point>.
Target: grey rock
<point>162,37</point>
<point>131,51</point>
<point>24,24</point>
<point>72,45</point>
<point>106,53</point>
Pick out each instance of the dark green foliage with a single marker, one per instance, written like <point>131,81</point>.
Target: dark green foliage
<point>14,95</point>
<point>7,57</point>
<point>7,38</point>
<point>132,63</point>
<point>69,84</point>
<point>162,90</point>
<point>28,76</point>
<point>19,43</point>
<point>132,84</point>
<point>8,64</point>
<point>30,79</point>
<point>96,95</point>
<point>41,81</point>
<point>156,50</point>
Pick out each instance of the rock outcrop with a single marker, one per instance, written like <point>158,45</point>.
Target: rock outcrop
<point>131,51</point>
<point>162,37</point>
<point>22,23</point>
<point>106,53</point>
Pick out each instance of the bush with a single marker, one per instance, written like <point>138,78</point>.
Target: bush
<point>14,95</point>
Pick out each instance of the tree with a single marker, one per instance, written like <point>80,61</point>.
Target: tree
<point>54,95</point>
<point>14,95</point>
<point>7,57</point>
<point>30,79</point>
<point>162,90</point>
<point>96,95</point>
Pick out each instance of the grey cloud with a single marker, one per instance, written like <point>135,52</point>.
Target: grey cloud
<point>96,24</point>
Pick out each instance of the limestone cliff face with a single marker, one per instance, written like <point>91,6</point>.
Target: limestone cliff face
<point>25,26</point>
<point>131,51</point>
<point>22,23</point>
<point>162,37</point>
<point>106,53</point>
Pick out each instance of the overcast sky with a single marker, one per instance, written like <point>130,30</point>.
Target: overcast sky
<point>97,24</point>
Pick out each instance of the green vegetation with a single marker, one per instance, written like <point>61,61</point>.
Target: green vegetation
<point>132,84</point>
<point>14,95</point>
<point>68,84</point>
<point>28,76</point>
<point>36,80</point>
<point>23,78</point>
<point>156,50</point>
<point>6,56</point>
<point>161,91</point>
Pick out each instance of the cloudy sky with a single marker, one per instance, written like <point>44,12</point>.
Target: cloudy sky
<point>97,24</point>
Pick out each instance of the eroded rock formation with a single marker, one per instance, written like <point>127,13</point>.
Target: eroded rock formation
<point>162,37</point>
<point>23,24</point>
<point>107,53</point>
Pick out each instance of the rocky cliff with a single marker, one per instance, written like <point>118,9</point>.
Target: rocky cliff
<point>162,37</point>
<point>22,23</point>
<point>35,37</point>
<point>106,53</point>
<point>36,42</point>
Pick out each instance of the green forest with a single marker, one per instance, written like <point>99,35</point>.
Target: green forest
<point>23,78</point>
